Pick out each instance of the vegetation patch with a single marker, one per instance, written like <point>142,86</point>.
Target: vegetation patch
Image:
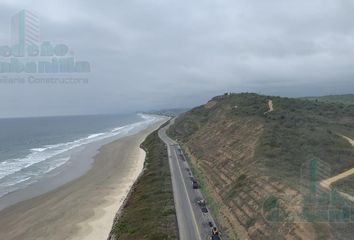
<point>345,185</point>
<point>239,182</point>
<point>149,212</point>
<point>345,99</point>
<point>270,203</point>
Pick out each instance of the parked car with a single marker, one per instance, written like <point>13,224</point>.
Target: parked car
<point>215,238</point>
<point>195,184</point>
<point>202,205</point>
<point>215,234</point>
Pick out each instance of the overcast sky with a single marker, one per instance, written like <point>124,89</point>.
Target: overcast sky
<point>152,54</point>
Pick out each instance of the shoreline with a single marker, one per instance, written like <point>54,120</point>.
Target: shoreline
<point>83,208</point>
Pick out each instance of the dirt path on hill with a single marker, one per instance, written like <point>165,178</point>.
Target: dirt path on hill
<point>351,141</point>
<point>270,106</point>
<point>327,182</point>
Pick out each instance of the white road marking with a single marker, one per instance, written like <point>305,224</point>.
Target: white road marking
<point>189,200</point>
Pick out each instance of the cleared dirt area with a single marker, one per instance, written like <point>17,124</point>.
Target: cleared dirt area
<point>210,104</point>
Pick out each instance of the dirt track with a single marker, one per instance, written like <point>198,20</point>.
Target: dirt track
<point>327,183</point>
<point>270,106</point>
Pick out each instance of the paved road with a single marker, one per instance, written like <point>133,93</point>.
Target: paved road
<point>193,224</point>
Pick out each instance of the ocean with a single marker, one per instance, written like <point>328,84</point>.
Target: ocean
<point>30,148</point>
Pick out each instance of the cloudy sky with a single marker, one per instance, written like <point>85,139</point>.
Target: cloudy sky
<point>151,54</point>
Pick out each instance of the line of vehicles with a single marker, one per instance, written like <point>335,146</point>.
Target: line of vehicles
<point>215,234</point>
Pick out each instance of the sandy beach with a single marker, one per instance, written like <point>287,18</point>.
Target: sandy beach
<point>83,208</point>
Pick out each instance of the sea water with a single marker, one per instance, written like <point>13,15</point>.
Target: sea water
<point>33,147</point>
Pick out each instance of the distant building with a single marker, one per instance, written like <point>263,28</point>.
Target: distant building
<point>25,29</point>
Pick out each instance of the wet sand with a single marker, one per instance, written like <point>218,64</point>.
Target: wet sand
<point>83,208</point>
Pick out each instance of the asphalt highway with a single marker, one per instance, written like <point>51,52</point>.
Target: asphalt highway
<point>194,219</point>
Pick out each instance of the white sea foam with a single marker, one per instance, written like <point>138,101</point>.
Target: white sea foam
<point>38,149</point>
<point>95,135</point>
<point>47,158</point>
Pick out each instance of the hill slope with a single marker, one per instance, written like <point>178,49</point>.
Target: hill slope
<point>259,167</point>
<point>345,99</point>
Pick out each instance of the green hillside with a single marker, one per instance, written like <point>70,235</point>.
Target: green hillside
<point>257,157</point>
<point>345,99</point>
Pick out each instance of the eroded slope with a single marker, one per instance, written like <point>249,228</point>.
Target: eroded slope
<point>248,157</point>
